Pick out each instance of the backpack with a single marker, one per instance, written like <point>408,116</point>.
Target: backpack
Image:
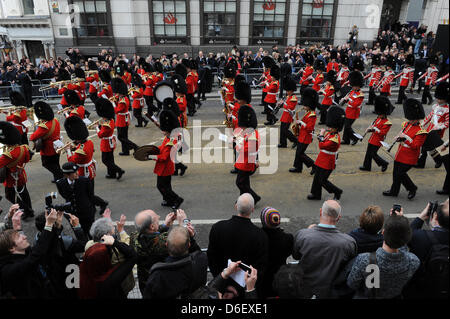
<point>436,269</point>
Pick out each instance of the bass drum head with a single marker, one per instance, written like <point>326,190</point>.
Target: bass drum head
<point>142,153</point>
<point>163,90</point>
<point>432,141</point>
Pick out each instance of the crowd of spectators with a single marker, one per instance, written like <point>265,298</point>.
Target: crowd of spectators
<point>245,261</point>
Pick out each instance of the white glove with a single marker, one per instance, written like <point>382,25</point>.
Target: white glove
<point>153,157</point>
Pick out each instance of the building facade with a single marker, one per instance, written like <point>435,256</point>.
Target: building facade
<point>156,26</point>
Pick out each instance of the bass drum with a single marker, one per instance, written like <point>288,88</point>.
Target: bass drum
<point>432,141</point>
<point>163,90</point>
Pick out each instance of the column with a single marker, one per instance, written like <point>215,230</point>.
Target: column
<point>20,49</point>
<point>244,19</point>
<point>194,8</point>
<point>46,49</point>
<point>293,19</point>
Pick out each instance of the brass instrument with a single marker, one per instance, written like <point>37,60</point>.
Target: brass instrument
<point>64,148</point>
<point>133,89</point>
<point>90,72</point>
<point>113,98</point>
<point>95,123</point>
<point>344,99</point>
<point>227,110</point>
<point>12,108</point>
<point>60,83</point>
<point>64,110</point>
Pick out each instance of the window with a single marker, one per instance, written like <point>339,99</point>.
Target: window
<point>169,21</point>
<point>28,6</point>
<point>269,18</point>
<point>316,19</point>
<point>219,21</point>
<point>92,20</point>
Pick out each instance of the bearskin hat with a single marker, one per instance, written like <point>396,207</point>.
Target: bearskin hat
<point>289,84</point>
<point>92,65</point>
<point>170,104</point>
<point>104,108</point>
<point>442,91</point>
<point>76,129</point>
<point>158,67</point>
<point>181,70</point>
<point>413,109</point>
<point>344,60</point>
<point>310,98</point>
<point>383,105</point>
<point>376,60</point>
<point>355,78</point>
<point>105,76</point>
<point>247,117</point>
<point>229,71</point>
<point>239,78</point>
<point>286,69</point>
<point>119,70</point>
<point>333,55</point>
<point>17,98</point>
<point>193,65</point>
<point>410,59</point>
<point>242,91</point>
<point>319,65</point>
<point>185,62</point>
<point>331,77</point>
<point>434,59</point>
<point>9,134</point>
<point>168,121</point>
<point>63,75</point>
<point>119,86</point>
<point>335,118</point>
<point>390,62</point>
<point>141,61</point>
<point>136,80</point>
<point>309,58</point>
<point>275,72</point>
<point>72,97</point>
<point>268,61</point>
<point>43,111</point>
<point>358,64</point>
<point>79,73</point>
<point>148,67</point>
<point>179,84</point>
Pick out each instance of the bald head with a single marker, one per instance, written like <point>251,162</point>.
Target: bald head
<point>245,205</point>
<point>178,241</point>
<point>330,212</point>
<point>145,219</point>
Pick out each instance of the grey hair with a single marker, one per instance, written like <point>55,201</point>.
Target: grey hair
<point>245,204</point>
<point>144,225</point>
<point>178,241</point>
<point>330,211</point>
<point>101,227</point>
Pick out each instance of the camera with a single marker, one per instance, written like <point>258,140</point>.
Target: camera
<point>66,207</point>
<point>433,208</point>
<point>245,267</point>
<point>396,208</point>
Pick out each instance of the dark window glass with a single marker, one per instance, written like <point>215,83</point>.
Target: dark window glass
<point>93,20</point>
<point>169,18</point>
<point>269,18</point>
<point>316,18</point>
<point>219,19</point>
<point>28,6</point>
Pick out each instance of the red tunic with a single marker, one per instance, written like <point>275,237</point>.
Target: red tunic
<point>49,131</point>
<point>126,77</point>
<point>407,76</point>
<point>149,84</point>
<point>408,152</point>
<point>431,75</point>
<point>328,150</point>
<point>94,83</point>
<point>123,115</point>
<point>386,81</point>
<point>138,99</point>
<point>61,91</point>
<point>272,91</point>
<point>375,76</point>
<point>15,157</point>
<point>328,96</point>
<point>437,119</point>
<point>307,76</point>
<point>333,66</point>
<point>228,87</point>
<point>164,164</point>
<point>381,127</point>
<point>107,92</point>
<point>16,119</point>
<point>191,82</point>
<point>306,125</point>
<point>317,82</point>
<point>182,105</point>
<point>289,109</point>
<point>343,75</point>
<point>247,148</point>
<point>267,80</point>
<point>354,105</point>
<point>77,111</point>
<point>83,157</point>
<point>106,133</point>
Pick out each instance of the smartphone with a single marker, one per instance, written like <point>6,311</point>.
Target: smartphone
<point>186,222</point>
<point>245,267</point>
<point>396,208</point>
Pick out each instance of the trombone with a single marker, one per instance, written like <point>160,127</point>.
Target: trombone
<point>93,124</point>
<point>12,108</point>
<point>70,144</point>
<point>64,110</point>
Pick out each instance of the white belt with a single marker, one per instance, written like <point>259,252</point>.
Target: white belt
<point>127,114</point>
<point>328,152</point>
<point>86,167</point>
<point>272,93</point>
<point>110,138</point>
<point>253,154</point>
<point>405,145</point>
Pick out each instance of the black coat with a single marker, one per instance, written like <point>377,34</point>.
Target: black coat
<point>366,242</point>
<point>20,275</point>
<point>81,197</point>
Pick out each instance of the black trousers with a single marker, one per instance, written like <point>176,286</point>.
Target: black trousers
<point>122,135</point>
<point>301,158</point>
<point>386,94</point>
<point>371,95</point>
<point>138,115</point>
<point>150,107</point>
<point>86,226</point>
<point>371,153</point>
<point>270,116</point>
<point>24,200</point>
<point>400,177</point>
<point>348,131</point>
<point>94,97</point>
<point>446,186</point>
<point>302,88</point>
<point>321,180</point>
<point>426,95</point>
<point>323,113</point>
<point>201,94</point>
<point>401,94</point>
<point>24,138</point>
<point>51,163</point>
<point>243,183</point>
<point>108,160</point>
<point>190,104</point>
<point>164,185</point>
<point>286,134</point>
<point>262,99</point>
<point>28,95</point>
<point>98,201</point>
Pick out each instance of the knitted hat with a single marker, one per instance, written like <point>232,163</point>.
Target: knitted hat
<point>270,217</point>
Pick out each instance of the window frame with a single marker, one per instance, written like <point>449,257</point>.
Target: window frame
<point>269,40</point>
<point>204,39</point>
<point>156,39</point>
<point>330,39</point>
<point>23,7</point>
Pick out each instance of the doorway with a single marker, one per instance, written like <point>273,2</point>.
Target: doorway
<point>35,51</point>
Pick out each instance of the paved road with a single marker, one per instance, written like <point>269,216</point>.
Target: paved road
<point>209,189</point>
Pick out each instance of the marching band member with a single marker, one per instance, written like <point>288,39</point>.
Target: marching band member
<point>13,160</point>
<point>268,62</point>
<point>342,75</point>
<point>63,75</point>
<point>80,86</point>
<point>385,83</point>
<point>138,100</point>
<point>105,131</point>
<point>374,78</point>
<point>272,92</point>
<point>93,80</point>
<point>332,64</point>
<point>120,90</point>
<point>379,129</point>
<point>106,91</point>
<point>228,83</point>
<point>307,77</point>
<point>180,88</point>
<point>47,132</point>
<point>329,143</point>
<point>319,67</point>
<point>19,116</point>
<point>406,78</point>
<point>309,101</point>
<point>353,110</point>
<point>149,80</point>
<point>76,108</point>
<point>241,89</point>
<point>411,139</point>
<point>192,85</point>
<point>430,79</point>
<point>437,122</point>
<point>158,76</point>
<point>288,112</point>
<point>328,94</point>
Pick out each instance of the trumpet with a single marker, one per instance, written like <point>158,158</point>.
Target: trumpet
<point>90,72</point>
<point>64,148</point>
<point>59,83</point>
<point>93,124</point>
<point>64,110</point>
<point>342,101</point>
<point>113,98</point>
<point>12,108</point>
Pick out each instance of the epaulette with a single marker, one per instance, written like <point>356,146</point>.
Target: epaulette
<point>170,143</point>
<point>106,124</point>
<point>331,87</point>
<point>42,124</point>
<point>123,100</point>
<point>294,98</point>
<point>360,94</point>
<point>7,153</point>
<point>422,131</point>
<point>80,151</point>
<point>335,139</point>
<point>404,124</point>
<point>388,122</point>
<point>253,137</point>
<point>312,113</point>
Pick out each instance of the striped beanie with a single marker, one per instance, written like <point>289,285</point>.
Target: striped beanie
<point>270,217</point>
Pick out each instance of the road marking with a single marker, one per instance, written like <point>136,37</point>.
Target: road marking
<point>212,221</point>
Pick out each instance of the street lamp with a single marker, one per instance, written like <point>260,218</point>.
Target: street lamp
<point>6,46</point>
